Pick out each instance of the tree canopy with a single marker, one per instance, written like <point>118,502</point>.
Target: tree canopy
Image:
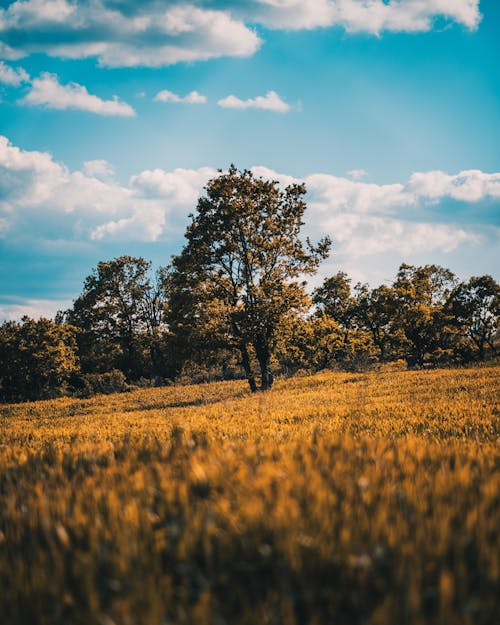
<point>244,254</point>
<point>37,358</point>
<point>118,316</point>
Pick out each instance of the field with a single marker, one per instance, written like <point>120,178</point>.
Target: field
<point>333,499</point>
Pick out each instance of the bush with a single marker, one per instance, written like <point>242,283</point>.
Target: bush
<point>113,381</point>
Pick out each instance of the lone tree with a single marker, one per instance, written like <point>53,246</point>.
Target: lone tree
<point>244,257</point>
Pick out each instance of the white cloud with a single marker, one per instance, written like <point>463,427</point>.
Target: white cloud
<point>43,199</point>
<point>168,197</point>
<point>34,308</point>
<point>123,34</point>
<point>183,185</point>
<point>367,219</point>
<point>99,169</point>
<point>356,236</point>
<point>371,16</point>
<point>270,102</point>
<point>169,96</point>
<point>25,13</point>
<point>74,218</point>
<point>467,186</point>
<point>47,91</point>
<point>126,33</point>
<point>357,174</point>
<point>13,76</point>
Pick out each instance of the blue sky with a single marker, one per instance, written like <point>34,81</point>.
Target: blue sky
<point>114,114</point>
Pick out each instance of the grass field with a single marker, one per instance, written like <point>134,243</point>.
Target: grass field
<point>333,499</point>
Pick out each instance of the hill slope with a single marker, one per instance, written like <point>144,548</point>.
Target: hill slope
<point>368,498</point>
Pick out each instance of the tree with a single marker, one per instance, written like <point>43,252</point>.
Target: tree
<point>334,299</point>
<point>475,307</point>
<point>37,359</point>
<point>376,311</point>
<point>118,316</point>
<point>243,251</point>
<point>421,294</point>
<point>349,345</point>
<point>311,343</point>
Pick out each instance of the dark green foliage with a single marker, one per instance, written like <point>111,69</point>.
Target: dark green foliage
<point>113,381</point>
<point>475,309</point>
<point>119,318</point>
<point>376,312</point>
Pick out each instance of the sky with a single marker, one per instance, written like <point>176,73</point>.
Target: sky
<point>114,114</point>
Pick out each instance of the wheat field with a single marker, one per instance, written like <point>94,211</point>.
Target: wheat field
<point>338,498</point>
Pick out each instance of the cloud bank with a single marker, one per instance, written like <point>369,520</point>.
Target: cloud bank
<point>122,33</point>
<point>56,213</point>
<point>150,33</point>
<point>364,218</point>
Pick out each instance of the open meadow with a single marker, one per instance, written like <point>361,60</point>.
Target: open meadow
<point>370,498</point>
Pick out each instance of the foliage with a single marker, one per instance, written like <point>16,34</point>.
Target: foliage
<point>118,316</point>
<point>334,299</point>
<point>338,498</point>
<point>90,384</point>
<point>475,309</point>
<point>421,295</point>
<point>376,311</point>
<point>243,255</point>
<point>319,342</point>
<point>37,359</point>
<point>194,322</point>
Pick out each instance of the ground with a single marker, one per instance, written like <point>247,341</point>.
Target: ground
<point>368,498</point>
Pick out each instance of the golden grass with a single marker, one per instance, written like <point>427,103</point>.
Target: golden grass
<point>333,499</point>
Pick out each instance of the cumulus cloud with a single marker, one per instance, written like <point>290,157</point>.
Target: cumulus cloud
<point>43,198</point>
<point>270,102</point>
<point>47,91</point>
<point>13,76</point>
<point>372,16</point>
<point>366,219</point>
<point>123,34</point>
<point>168,196</point>
<point>152,33</point>
<point>468,186</point>
<point>192,97</point>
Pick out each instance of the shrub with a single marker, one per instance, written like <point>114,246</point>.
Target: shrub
<point>113,381</point>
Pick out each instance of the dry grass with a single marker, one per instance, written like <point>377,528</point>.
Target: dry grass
<point>334,499</point>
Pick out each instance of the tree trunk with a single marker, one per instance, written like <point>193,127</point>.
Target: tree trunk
<point>245,359</point>
<point>264,358</point>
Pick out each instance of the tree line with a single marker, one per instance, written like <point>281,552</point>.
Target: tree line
<point>234,303</point>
